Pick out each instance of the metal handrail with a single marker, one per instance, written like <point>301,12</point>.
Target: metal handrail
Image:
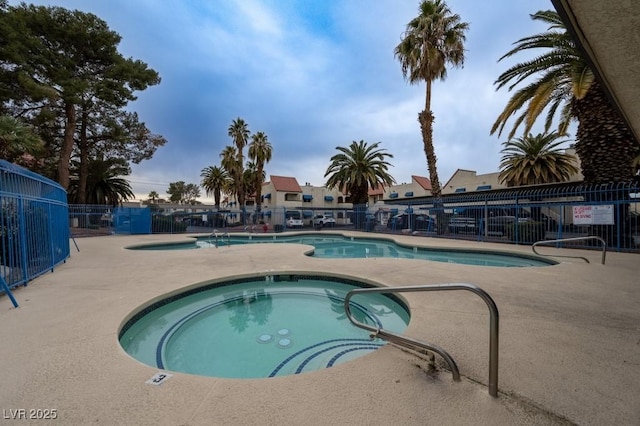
<point>406,341</point>
<point>562,240</point>
<point>251,230</point>
<point>215,234</point>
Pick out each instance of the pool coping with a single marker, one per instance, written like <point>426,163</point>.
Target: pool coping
<point>386,239</point>
<point>568,342</point>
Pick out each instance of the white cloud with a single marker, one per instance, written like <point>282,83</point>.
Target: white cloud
<point>312,76</point>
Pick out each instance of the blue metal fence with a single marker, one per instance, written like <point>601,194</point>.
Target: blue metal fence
<point>34,225</point>
<point>95,220</point>
<point>517,215</point>
<point>524,215</point>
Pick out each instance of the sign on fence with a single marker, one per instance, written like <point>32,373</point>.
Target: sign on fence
<point>593,215</point>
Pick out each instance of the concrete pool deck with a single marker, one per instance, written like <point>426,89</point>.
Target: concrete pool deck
<point>569,342</point>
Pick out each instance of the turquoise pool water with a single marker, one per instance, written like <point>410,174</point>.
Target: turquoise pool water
<point>259,327</point>
<point>337,246</point>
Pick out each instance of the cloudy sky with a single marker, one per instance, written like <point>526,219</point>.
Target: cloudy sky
<point>312,75</point>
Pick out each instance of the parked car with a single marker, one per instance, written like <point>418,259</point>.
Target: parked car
<point>322,220</point>
<point>294,223</point>
<point>413,222</point>
<point>293,219</point>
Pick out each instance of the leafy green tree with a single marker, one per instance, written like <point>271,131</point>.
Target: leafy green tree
<point>260,151</point>
<point>432,40</point>
<point>357,168</point>
<point>176,191</point>
<point>533,160</point>
<point>109,132</point>
<point>105,184</point>
<point>61,61</point>
<point>564,82</point>
<point>183,193</point>
<point>192,193</point>
<point>215,180</point>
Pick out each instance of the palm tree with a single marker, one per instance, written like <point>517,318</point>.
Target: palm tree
<point>215,180</point>
<point>260,151</point>
<point>432,40</point>
<point>533,160</point>
<point>239,133</point>
<point>153,195</point>
<point>566,83</point>
<point>229,162</point>
<point>251,179</point>
<point>358,168</point>
<point>18,142</point>
<point>104,183</point>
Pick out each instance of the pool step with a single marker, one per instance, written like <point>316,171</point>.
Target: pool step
<point>323,355</point>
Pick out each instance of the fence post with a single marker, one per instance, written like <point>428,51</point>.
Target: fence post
<point>5,288</point>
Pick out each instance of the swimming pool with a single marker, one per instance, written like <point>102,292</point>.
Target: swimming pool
<point>258,327</point>
<point>333,246</point>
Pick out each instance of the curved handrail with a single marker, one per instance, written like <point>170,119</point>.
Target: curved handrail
<point>562,240</point>
<point>395,338</point>
<point>215,234</point>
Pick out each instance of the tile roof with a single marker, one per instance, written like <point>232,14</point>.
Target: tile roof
<point>285,184</point>
<point>422,181</point>
<point>378,190</point>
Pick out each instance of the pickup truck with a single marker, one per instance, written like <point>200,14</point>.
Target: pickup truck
<point>322,220</point>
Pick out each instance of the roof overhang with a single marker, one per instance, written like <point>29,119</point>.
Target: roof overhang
<point>608,32</point>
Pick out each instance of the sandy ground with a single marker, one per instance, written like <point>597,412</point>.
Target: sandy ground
<point>569,343</point>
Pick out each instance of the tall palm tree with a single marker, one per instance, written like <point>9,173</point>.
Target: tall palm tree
<point>239,132</point>
<point>105,184</point>
<point>229,162</point>
<point>250,178</point>
<point>432,40</point>
<point>215,180</point>
<point>357,168</point>
<point>153,195</point>
<point>260,151</point>
<point>533,160</point>
<point>566,83</point>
